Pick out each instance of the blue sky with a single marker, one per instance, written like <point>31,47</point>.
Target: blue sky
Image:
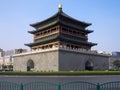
<point>16,15</point>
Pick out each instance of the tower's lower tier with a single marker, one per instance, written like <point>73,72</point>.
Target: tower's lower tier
<point>58,59</point>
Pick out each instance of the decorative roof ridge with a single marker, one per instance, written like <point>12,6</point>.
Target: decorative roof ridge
<point>60,12</point>
<point>44,20</point>
<point>66,15</point>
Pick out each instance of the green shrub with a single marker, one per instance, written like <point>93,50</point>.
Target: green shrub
<point>61,73</point>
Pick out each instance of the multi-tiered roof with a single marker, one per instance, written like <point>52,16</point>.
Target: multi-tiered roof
<point>60,30</point>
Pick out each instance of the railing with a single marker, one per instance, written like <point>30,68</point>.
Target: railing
<point>4,85</point>
<point>76,85</point>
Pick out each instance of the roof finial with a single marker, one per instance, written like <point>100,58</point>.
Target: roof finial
<point>60,6</point>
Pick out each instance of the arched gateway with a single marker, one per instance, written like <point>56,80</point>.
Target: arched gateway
<point>89,65</point>
<point>30,65</point>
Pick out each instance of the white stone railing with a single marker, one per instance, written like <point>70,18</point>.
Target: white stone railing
<point>63,48</point>
<point>85,51</point>
<point>36,51</point>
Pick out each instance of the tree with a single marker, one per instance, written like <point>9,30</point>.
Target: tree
<point>116,63</point>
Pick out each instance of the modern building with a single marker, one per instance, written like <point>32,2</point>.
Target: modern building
<point>60,43</point>
<point>6,58</point>
<point>1,52</point>
<point>114,57</point>
<point>14,51</point>
<point>115,54</point>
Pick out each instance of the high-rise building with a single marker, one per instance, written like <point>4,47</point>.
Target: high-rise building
<point>1,52</point>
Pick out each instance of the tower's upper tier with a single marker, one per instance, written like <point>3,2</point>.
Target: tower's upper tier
<point>60,18</point>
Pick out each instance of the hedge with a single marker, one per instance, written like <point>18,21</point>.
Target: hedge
<point>61,73</point>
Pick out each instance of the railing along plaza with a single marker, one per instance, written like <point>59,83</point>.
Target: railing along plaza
<point>76,85</point>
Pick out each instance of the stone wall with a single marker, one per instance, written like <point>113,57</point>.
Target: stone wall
<point>72,60</point>
<point>43,61</point>
<point>60,60</point>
